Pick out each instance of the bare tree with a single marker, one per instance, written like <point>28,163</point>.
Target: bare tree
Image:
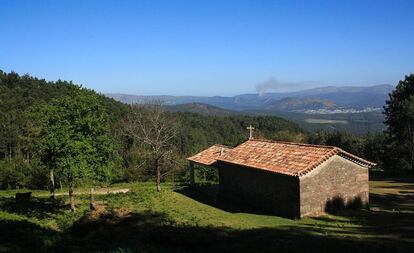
<point>151,128</point>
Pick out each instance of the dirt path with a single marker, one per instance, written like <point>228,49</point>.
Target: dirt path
<point>102,191</point>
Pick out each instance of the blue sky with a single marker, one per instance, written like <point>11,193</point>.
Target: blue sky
<point>208,47</point>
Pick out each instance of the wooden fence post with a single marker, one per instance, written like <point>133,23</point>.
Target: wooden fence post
<point>92,206</point>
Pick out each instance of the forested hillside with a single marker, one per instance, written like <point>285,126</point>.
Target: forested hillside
<point>25,100</point>
<point>204,109</point>
<point>361,123</point>
<point>19,95</point>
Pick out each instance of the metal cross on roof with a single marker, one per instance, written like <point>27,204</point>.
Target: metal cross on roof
<point>250,128</point>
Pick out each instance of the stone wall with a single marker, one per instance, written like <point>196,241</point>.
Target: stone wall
<point>337,183</point>
<point>261,190</point>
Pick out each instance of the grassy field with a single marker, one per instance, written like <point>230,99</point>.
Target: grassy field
<point>181,219</point>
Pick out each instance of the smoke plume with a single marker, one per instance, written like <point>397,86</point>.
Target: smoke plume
<point>276,85</point>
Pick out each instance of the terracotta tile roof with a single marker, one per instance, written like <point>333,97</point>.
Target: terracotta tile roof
<point>210,155</point>
<point>294,159</point>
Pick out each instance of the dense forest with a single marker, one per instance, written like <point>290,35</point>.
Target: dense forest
<point>58,131</point>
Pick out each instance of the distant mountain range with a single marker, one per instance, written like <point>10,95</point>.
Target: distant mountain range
<point>323,100</point>
<point>353,109</point>
<point>204,109</point>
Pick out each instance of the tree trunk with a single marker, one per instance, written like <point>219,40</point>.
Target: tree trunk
<point>91,205</point>
<point>71,197</point>
<point>158,176</point>
<point>52,185</point>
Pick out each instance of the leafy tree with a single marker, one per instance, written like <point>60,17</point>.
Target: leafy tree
<point>375,148</point>
<point>399,113</point>
<point>76,141</point>
<point>19,95</point>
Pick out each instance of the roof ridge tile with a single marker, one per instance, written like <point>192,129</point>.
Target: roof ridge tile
<point>294,143</point>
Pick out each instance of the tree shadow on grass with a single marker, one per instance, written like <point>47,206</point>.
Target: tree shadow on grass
<point>391,220</point>
<point>125,231</point>
<point>393,202</point>
<point>25,236</point>
<point>154,232</point>
<point>35,207</point>
<point>379,226</point>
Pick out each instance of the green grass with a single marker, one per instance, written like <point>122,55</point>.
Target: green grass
<point>180,219</point>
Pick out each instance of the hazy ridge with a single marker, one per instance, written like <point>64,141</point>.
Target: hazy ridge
<point>323,98</point>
